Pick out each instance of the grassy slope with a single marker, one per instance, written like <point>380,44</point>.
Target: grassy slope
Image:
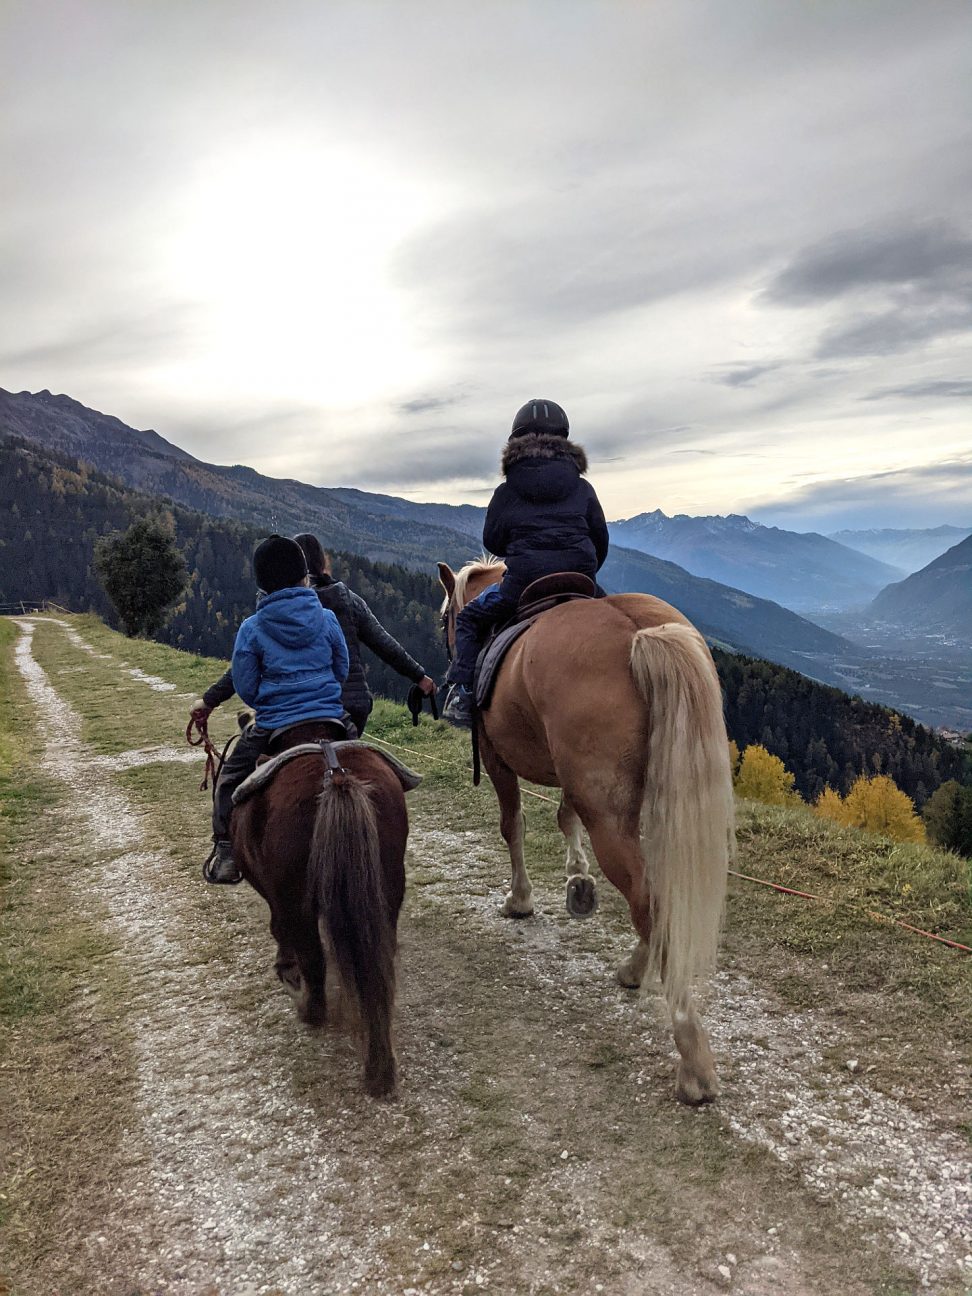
<point>826,954</point>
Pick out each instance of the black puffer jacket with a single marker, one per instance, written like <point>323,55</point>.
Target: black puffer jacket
<point>361,626</point>
<point>544,518</point>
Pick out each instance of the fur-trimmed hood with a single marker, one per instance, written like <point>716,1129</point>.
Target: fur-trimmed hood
<point>542,445</point>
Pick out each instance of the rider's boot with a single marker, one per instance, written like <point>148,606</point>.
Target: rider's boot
<point>221,866</point>
<point>458,709</point>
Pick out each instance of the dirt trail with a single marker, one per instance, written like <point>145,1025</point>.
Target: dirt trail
<point>536,1147</point>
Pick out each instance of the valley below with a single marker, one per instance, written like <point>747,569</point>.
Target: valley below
<point>927,674</point>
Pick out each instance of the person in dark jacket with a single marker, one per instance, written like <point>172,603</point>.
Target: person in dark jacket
<point>360,626</point>
<point>543,518</point>
<point>289,663</point>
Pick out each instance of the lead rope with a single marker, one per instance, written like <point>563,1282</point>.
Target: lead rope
<point>215,759</point>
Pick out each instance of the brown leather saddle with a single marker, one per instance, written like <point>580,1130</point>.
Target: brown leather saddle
<point>539,597</point>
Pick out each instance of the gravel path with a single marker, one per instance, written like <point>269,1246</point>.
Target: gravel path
<point>536,1107</point>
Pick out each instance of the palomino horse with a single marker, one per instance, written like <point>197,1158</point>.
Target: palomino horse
<point>616,701</point>
<point>327,853</point>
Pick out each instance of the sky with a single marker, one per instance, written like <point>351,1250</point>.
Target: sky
<point>345,241</point>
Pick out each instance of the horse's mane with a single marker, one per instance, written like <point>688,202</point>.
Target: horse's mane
<point>484,563</point>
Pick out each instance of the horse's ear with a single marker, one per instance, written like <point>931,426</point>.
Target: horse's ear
<point>448,578</point>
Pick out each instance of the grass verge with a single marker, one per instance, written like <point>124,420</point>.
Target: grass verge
<point>65,1069</point>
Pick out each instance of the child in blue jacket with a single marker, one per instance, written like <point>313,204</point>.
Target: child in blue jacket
<point>289,662</point>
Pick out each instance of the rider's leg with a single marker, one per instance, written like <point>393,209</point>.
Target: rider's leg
<point>239,764</point>
<point>359,718</point>
<point>473,625</point>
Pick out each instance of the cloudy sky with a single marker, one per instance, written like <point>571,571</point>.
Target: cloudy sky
<point>344,241</point>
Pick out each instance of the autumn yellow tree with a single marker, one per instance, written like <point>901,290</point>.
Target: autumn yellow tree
<point>878,805</point>
<point>829,806</point>
<point>733,757</point>
<point>762,777</point>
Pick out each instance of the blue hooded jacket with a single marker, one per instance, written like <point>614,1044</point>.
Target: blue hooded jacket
<point>290,659</point>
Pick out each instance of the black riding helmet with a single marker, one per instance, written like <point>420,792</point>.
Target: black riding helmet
<point>540,416</point>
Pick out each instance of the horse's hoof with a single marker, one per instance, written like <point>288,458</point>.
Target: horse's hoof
<point>289,974</point>
<point>381,1079</point>
<point>581,896</point>
<point>512,908</point>
<point>695,1090</point>
<point>628,977</point>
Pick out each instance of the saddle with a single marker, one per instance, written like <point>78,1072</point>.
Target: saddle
<point>538,597</point>
<point>265,773</point>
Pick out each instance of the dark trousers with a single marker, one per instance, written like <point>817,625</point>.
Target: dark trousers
<point>358,717</point>
<point>473,625</point>
<point>240,763</point>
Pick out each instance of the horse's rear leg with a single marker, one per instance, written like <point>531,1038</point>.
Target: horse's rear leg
<point>300,967</point>
<point>519,898</point>
<point>620,858</point>
<point>581,894</point>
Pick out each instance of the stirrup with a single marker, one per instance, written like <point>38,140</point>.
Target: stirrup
<point>208,867</point>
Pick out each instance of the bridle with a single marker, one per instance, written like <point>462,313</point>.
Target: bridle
<point>449,626</point>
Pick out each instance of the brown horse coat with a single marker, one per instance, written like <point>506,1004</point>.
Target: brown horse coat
<point>328,856</point>
<point>617,702</point>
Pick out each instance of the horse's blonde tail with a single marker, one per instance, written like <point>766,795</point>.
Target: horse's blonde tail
<point>687,828</point>
<point>347,893</point>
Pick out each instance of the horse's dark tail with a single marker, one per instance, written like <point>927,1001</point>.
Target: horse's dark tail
<point>348,893</point>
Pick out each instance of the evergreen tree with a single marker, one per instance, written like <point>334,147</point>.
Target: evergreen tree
<point>142,572</point>
<point>948,818</point>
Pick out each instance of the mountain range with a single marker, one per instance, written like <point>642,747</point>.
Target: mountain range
<point>908,550</point>
<point>385,528</point>
<point>937,599</point>
<point>806,572</point>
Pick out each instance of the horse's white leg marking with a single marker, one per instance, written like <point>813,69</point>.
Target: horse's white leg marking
<point>519,898</point>
<point>581,893</point>
<point>632,971</point>
<point>696,1080</point>
<point>569,824</point>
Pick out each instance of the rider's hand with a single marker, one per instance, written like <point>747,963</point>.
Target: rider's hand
<point>427,685</point>
<point>199,711</point>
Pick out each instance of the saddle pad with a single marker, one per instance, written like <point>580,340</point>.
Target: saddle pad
<point>262,775</point>
<point>491,659</point>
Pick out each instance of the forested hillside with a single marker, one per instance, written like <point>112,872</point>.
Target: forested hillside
<point>53,509</point>
<point>826,737</point>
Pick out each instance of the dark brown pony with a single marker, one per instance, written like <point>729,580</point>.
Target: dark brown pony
<point>616,702</point>
<point>327,853</point>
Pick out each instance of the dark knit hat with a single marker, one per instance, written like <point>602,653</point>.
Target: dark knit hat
<point>277,563</point>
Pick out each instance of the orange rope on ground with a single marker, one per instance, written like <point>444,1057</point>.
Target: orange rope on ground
<point>745,877</point>
<point>871,913</point>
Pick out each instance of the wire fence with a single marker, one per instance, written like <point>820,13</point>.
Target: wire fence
<point>26,607</point>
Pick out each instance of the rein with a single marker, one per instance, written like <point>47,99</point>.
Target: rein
<point>215,759</point>
<point>416,700</point>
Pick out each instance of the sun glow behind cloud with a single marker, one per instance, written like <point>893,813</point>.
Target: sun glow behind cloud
<point>286,248</point>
